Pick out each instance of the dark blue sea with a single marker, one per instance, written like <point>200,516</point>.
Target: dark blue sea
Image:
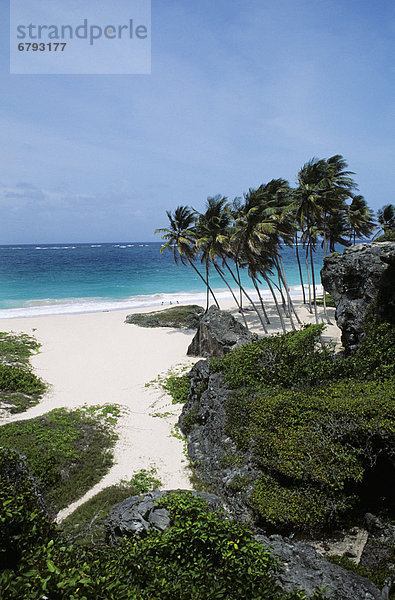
<point>48,279</point>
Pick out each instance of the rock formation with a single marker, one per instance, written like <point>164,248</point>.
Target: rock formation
<point>361,281</point>
<point>136,515</point>
<point>305,569</point>
<point>217,334</point>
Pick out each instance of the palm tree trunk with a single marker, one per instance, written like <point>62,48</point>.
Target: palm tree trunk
<point>323,290</point>
<point>205,283</point>
<point>266,278</point>
<point>279,287</point>
<point>254,281</point>
<point>308,279</point>
<point>239,280</point>
<point>207,290</point>
<point>300,269</point>
<point>216,267</point>
<point>247,296</point>
<point>313,278</point>
<point>290,303</point>
<point>281,280</point>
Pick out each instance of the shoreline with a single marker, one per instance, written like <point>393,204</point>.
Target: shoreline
<point>96,358</point>
<point>77,306</point>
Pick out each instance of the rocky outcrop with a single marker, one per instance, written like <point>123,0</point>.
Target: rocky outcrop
<point>379,549</point>
<point>303,568</point>
<point>179,317</point>
<point>361,281</point>
<point>136,515</point>
<point>218,461</point>
<point>231,474</point>
<point>218,333</point>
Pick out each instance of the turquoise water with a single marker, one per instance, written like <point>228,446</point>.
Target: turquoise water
<point>67,278</point>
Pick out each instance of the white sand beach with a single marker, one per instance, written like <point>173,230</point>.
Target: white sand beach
<point>96,358</point>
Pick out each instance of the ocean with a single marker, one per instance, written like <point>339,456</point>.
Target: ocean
<point>45,279</point>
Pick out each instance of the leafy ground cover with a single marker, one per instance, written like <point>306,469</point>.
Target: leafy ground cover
<point>186,317</point>
<point>68,451</point>
<point>320,428</point>
<point>20,388</point>
<point>203,556</point>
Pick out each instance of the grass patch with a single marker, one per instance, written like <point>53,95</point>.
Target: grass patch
<point>68,451</point>
<point>181,317</point>
<point>177,387</point>
<point>20,388</point>
<point>175,382</point>
<point>85,526</point>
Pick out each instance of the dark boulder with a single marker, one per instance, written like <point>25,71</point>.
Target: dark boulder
<point>218,333</point>
<point>305,569</point>
<point>136,515</point>
<point>379,549</point>
<point>361,282</point>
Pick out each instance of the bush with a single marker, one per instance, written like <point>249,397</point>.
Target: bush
<point>202,556</point>
<point>18,379</point>
<point>16,348</point>
<point>326,439</point>
<point>293,360</point>
<point>317,425</point>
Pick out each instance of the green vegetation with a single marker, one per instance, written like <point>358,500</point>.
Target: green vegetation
<point>175,382</point>
<point>316,425</point>
<point>388,236</point>
<point>20,388</point>
<point>68,451</point>
<point>177,387</point>
<point>85,526</point>
<point>184,317</point>
<point>202,556</point>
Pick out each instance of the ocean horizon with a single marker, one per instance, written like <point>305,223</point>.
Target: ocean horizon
<point>68,278</point>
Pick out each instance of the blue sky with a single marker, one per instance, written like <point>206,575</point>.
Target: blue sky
<point>241,91</point>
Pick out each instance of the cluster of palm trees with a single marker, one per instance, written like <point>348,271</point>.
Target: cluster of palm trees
<point>250,232</point>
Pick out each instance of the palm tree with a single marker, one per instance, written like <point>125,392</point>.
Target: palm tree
<point>181,241</point>
<point>360,218</point>
<point>212,237</point>
<point>386,218</point>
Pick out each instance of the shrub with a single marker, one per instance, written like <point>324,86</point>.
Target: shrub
<point>295,359</point>
<point>202,556</point>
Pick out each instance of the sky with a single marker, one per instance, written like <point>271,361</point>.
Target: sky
<point>241,91</point>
